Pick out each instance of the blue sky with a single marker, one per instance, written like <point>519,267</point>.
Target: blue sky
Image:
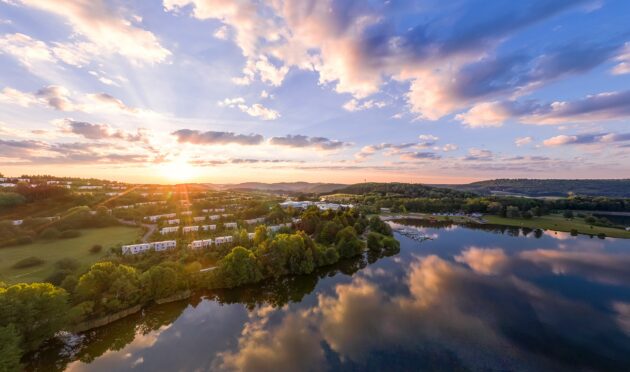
<point>329,91</point>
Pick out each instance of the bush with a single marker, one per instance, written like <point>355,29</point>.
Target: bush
<point>568,214</point>
<point>601,235</point>
<point>574,232</point>
<point>28,262</point>
<point>67,263</point>
<point>96,248</point>
<point>68,234</point>
<point>50,234</point>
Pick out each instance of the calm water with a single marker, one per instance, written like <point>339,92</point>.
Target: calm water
<point>466,300</point>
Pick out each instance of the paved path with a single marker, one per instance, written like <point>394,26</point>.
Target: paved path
<point>150,228</point>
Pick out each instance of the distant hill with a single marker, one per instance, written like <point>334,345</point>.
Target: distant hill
<point>538,188</point>
<point>412,190</point>
<point>294,187</point>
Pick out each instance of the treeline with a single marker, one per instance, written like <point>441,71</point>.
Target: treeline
<point>535,187</point>
<point>411,190</point>
<point>494,204</point>
<point>33,313</point>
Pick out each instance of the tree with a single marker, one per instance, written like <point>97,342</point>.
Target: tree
<point>11,199</point>
<point>50,233</point>
<point>10,351</point>
<point>239,267</point>
<point>568,214</point>
<point>377,225</point>
<point>36,311</point>
<point>159,282</point>
<point>495,208</point>
<point>348,244</point>
<point>260,234</point>
<point>329,232</point>
<point>110,287</point>
<point>512,212</point>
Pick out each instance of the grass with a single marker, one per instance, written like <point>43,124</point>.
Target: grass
<point>557,222</point>
<point>52,251</point>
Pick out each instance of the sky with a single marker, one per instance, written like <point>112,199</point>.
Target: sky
<point>342,91</point>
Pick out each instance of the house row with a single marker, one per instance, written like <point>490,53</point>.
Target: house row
<point>255,221</point>
<point>159,216</point>
<point>275,228</point>
<point>208,210</point>
<point>205,243</point>
<point>144,247</point>
<point>194,228</point>
<point>321,205</point>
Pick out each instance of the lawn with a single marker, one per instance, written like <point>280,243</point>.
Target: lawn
<point>77,248</point>
<point>557,222</point>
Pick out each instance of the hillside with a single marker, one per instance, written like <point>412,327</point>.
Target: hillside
<point>535,187</point>
<point>411,190</point>
<point>303,187</point>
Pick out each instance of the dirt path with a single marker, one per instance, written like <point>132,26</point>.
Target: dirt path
<point>150,228</point>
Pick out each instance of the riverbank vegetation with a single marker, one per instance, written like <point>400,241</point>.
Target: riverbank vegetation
<point>320,238</point>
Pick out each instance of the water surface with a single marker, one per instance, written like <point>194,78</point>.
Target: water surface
<point>469,299</point>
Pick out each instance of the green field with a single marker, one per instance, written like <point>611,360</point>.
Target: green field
<point>557,222</point>
<point>51,252</point>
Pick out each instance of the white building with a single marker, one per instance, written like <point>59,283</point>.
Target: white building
<point>173,221</point>
<point>214,217</point>
<point>169,230</point>
<point>198,244</point>
<point>199,219</point>
<point>255,221</point>
<point>188,229</point>
<point>186,213</point>
<point>223,239</point>
<point>278,227</point>
<point>17,222</point>
<point>208,227</point>
<point>250,236</point>
<point>159,216</point>
<point>6,184</point>
<point>230,225</point>
<point>296,204</point>
<point>141,248</point>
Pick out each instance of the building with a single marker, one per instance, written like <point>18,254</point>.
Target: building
<point>275,228</point>
<point>230,225</point>
<point>199,219</point>
<point>198,244</point>
<point>17,222</point>
<point>223,239</point>
<point>255,221</point>
<point>186,213</point>
<point>214,217</point>
<point>169,230</point>
<point>208,227</point>
<point>160,216</point>
<point>173,221</point>
<point>250,236</point>
<point>188,229</point>
<point>144,247</point>
<point>296,204</point>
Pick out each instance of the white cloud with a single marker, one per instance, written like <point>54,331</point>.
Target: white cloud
<point>559,140</point>
<point>255,110</point>
<point>221,33</point>
<point>449,147</point>
<point>357,105</point>
<point>105,30</point>
<point>484,115</point>
<point>522,141</point>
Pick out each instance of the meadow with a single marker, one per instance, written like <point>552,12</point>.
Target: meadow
<point>52,251</point>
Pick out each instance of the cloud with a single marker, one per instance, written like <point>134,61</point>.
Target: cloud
<point>216,138</point>
<point>522,141</point>
<point>221,33</point>
<point>370,150</point>
<point>602,106</point>
<point>298,140</point>
<point>356,105</point>
<point>411,156</point>
<point>106,31</point>
<point>449,147</point>
<point>97,131</point>
<point>475,154</point>
<point>255,110</point>
<point>486,261</point>
<point>623,61</point>
<point>60,98</point>
<point>586,139</point>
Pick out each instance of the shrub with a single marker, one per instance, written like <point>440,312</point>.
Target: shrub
<point>50,234</point>
<point>96,248</point>
<point>68,234</point>
<point>574,232</point>
<point>67,263</point>
<point>601,235</point>
<point>28,262</point>
<point>568,214</point>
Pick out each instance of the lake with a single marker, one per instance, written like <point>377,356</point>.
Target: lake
<point>467,299</point>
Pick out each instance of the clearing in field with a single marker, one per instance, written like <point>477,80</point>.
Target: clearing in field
<point>52,251</point>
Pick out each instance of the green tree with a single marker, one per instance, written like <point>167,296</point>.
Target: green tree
<point>260,234</point>
<point>159,282</point>
<point>36,310</point>
<point>10,351</point>
<point>348,244</point>
<point>512,212</point>
<point>110,287</point>
<point>568,214</point>
<point>239,267</point>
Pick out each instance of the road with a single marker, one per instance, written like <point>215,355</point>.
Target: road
<point>150,228</point>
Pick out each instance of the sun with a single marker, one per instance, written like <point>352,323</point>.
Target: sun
<point>179,170</point>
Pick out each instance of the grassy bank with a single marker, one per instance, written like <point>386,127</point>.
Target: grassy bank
<point>557,222</point>
<point>52,251</point>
